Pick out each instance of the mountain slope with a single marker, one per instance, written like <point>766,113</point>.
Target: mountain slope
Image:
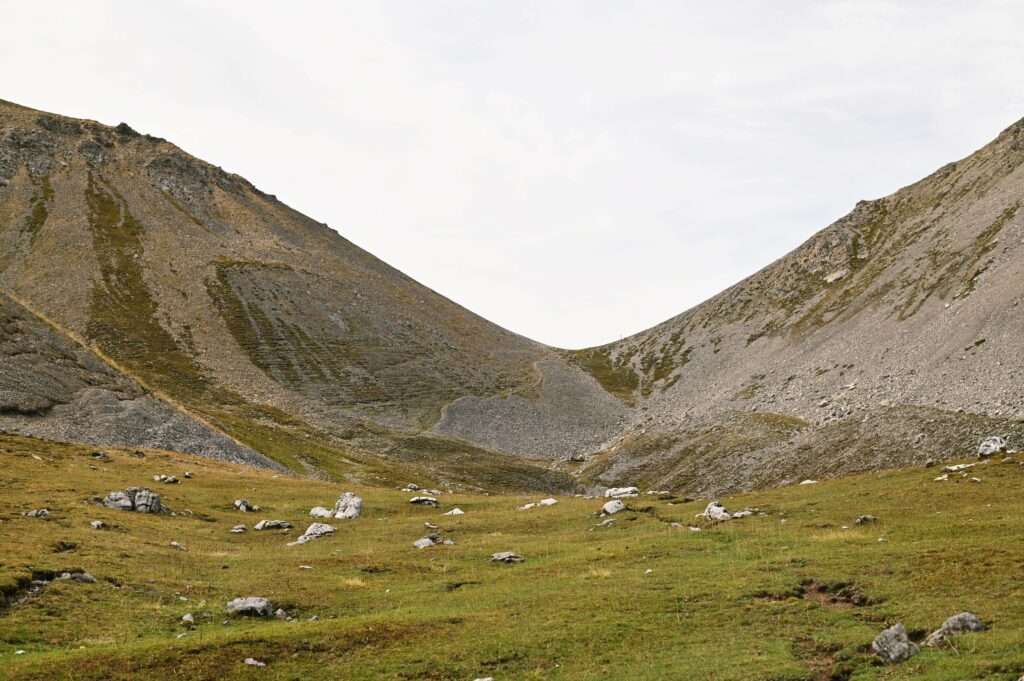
<point>889,337</point>
<point>899,324</point>
<point>262,322</point>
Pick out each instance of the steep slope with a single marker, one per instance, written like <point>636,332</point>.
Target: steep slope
<point>262,322</point>
<point>899,324</point>
<point>52,387</point>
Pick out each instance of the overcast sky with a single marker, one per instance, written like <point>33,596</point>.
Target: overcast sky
<point>574,171</point>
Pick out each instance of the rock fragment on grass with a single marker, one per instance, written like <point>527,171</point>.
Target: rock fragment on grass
<point>244,506</point>
<point>957,624</point>
<point>39,513</point>
<point>506,557</point>
<point>612,507</point>
<point>272,525</point>
<point>97,525</point>
<point>238,529</point>
<point>616,492</point>
<point>314,531</point>
<point>715,511</point>
<point>892,646</point>
<point>455,511</point>
<point>253,662</point>
<point>865,519</point>
<point>138,499</point>
<point>424,501</point>
<point>251,606</point>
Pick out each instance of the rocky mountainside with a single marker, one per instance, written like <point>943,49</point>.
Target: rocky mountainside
<point>269,326</point>
<point>898,325</point>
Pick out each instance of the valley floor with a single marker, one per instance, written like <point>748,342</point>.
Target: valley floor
<point>792,594</point>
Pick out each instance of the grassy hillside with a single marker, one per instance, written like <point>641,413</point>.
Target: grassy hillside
<point>788,595</point>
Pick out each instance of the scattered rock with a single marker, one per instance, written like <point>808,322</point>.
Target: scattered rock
<point>188,620</point>
<point>187,474</point>
<point>138,499</point>
<point>97,525</point>
<point>348,506</point>
<point>616,492</point>
<point>455,511</point>
<point>100,456</point>
<point>941,478</point>
<point>412,487</point>
<point>892,645</point>
<point>167,479</point>
<point>244,506</point>
<point>314,531</point>
<point>930,463</point>
<point>957,624</point>
<point>253,606</point>
<point>425,542</point>
<point>40,513</point>
<point>808,482</point>
<point>612,507</point>
<point>424,501</point>
<point>238,529</point>
<point>80,577</point>
<point>272,525</point>
<point>506,557</point>
<point>281,614</point>
<point>992,445</point>
<point>865,519</point>
<point>957,468</point>
<point>178,546</point>
<point>715,511</point>
<point>253,662</point>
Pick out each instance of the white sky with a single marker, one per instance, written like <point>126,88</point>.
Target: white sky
<point>574,171</point>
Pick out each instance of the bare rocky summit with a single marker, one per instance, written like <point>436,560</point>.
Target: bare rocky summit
<point>184,308</point>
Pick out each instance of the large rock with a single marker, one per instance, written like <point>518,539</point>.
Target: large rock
<point>715,511</point>
<point>252,606</point>
<point>612,507</point>
<point>892,645</point>
<point>957,624</point>
<point>992,445</point>
<point>348,506</point>
<point>139,499</point>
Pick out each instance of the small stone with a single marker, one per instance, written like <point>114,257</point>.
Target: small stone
<point>506,557</point>
<point>188,620</point>
<point>280,614</point>
<point>865,519</point>
<point>930,463</point>
<point>455,511</point>
<point>253,662</point>
<point>178,546</point>
<point>423,543</point>
<point>238,529</point>
<point>40,513</point>
<point>424,501</point>
<point>243,505</point>
<point>648,571</point>
<point>808,482</point>
<point>187,474</point>
<point>892,646</point>
<point>97,525</point>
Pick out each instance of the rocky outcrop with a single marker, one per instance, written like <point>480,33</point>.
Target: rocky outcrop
<point>138,499</point>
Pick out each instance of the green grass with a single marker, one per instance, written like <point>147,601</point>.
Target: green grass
<point>742,600</point>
